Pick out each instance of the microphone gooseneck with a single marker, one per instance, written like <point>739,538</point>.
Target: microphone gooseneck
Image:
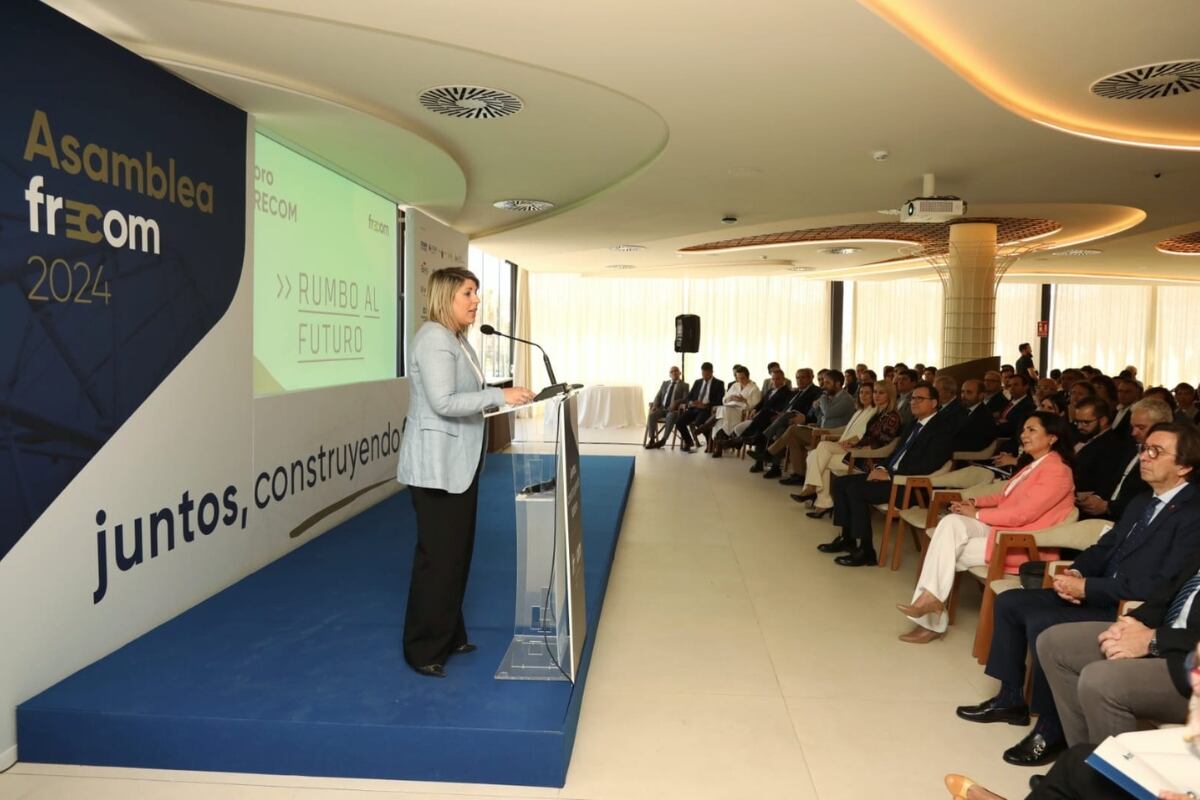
<point>488,330</point>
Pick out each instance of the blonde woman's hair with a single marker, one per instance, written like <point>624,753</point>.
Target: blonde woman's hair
<point>890,389</point>
<point>443,285</point>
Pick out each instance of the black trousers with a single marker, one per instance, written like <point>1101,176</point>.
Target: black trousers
<point>691,416</point>
<point>1020,617</point>
<point>433,621</point>
<point>853,496</point>
<point>1071,779</point>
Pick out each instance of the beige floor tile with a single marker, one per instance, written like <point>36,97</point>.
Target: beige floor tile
<point>658,746</point>
<point>900,748</point>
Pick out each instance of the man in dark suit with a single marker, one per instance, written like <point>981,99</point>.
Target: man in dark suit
<point>1129,392</point>
<point>797,409</point>
<point>1101,455</point>
<point>977,429</point>
<point>1107,677</point>
<point>993,392</point>
<point>948,402</point>
<point>1144,415</point>
<point>707,391</point>
<point>926,445</point>
<point>768,410</point>
<point>1012,419</point>
<point>1157,534</point>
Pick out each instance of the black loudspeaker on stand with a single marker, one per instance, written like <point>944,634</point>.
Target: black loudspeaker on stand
<point>687,338</point>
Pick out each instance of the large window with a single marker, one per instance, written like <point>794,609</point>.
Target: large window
<point>497,308</point>
<point>896,321</point>
<point>1105,326</point>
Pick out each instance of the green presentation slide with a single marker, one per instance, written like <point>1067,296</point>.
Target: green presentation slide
<point>325,253</point>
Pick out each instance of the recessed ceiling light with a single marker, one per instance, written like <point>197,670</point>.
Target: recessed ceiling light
<point>841,251</point>
<point>471,102</point>
<point>619,266</point>
<point>524,206</point>
<point>627,248</point>
<point>799,269</point>
<point>1077,251</point>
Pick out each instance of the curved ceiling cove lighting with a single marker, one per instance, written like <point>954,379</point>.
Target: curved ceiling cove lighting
<point>1077,251</point>
<point>524,206</point>
<point>1186,245</point>
<point>841,251</point>
<point>471,102</point>
<point>620,266</point>
<point>1150,82</point>
<point>932,236</point>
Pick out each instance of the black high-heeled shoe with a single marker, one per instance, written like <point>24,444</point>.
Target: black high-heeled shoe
<point>821,512</point>
<point>465,647</point>
<point>432,670</point>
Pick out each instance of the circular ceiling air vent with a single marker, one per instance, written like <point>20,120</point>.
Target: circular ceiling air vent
<point>620,266</point>
<point>1150,81</point>
<point>471,102</point>
<point>799,269</point>
<point>524,206</point>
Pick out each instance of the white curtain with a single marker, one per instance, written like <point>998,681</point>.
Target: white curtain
<point>1105,326</point>
<point>622,330</point>
<point>1018,306</point>
<point>896,321</point>
<point>1176,347</point>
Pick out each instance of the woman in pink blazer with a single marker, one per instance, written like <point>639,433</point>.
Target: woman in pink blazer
<point>1039,495</point>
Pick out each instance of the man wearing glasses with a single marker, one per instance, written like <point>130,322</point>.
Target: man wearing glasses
<point>926,444</point>
<point>1101,455</point>
<point>1158,533</point>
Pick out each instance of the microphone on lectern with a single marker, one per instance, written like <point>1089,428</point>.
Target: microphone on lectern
<point>488,330</point>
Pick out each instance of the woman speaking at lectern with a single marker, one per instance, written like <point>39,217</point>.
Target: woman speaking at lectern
<point>440,460</point>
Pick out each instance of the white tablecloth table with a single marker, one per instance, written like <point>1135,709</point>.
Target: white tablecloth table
<point>603,406</point>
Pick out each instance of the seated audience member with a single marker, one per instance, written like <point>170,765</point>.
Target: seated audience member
<point>861,370</point>
<point>926,447</point>
<point>741,395</point>
<point>854,429</point>
<point>1045,387</point>
<point>1128,393</point>
<point>1104,386</point>
<point>775,400</point>
<point>1105,677</point>
<point>948,402</point>
<point>889,373</point>
<point>978,428</point>
<point>1101,454</point>
<point>929,374</point>
<point>1012,419</point>
<point>850,382</point>
<point>1053,403</point>
<point>1144,415</point>
<point>1131,372</point>
<point>1080,390</point>
<point>1006,372</point>
<point>1185,401</point>
<point>1056,375</point>
<point>869,376</point>
<point>832,410</point>
<point>1158,533</point>
<point>919,368</point>
<point>905,380</point>
<point>706,392</point>
<point>1164,394</point>
<point>828,458</point>
<point>993,392</point>
<point>1040,495</point>
<point>799,405</point>
<point>665,406</point>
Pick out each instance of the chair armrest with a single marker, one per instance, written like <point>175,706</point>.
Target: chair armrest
<point>965,478</point>
<point>1077,535</point>
<point>1125,606</point>
<point>977,455</point>
<point>1053,568</point>
<point>984,489</point>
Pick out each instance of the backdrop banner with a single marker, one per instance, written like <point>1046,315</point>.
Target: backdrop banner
<point>122,227</point>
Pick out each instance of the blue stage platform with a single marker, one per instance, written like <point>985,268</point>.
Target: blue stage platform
<point>297,669</point>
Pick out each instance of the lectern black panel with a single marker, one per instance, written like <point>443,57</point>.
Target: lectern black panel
<point>687,333</point>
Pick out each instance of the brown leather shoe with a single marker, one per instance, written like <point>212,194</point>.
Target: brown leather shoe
<point>959,785</point>
<point>926,604</point>
<point>920,635</point>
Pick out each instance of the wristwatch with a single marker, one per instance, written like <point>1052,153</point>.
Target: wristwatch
<point>1152,648</point>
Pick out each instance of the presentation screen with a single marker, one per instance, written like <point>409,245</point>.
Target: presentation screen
<point>325,253</point>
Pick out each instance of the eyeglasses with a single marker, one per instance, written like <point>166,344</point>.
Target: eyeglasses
<point>1153,451</point>
<point>918,397</point>
<point>1081,421</point>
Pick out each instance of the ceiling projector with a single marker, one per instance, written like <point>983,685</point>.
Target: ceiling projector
<point>933,209</point>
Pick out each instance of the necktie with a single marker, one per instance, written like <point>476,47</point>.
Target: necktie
<point>1131,538</point>
<point>667,392</point>
<point>894,461</point>
<point>1181,597</point>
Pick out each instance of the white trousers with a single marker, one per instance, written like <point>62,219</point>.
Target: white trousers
<point>958,544</point>
<point>729,416</point>
<point>824,461</point>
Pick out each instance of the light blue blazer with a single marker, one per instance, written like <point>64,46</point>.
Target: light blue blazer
<point>444,431</point>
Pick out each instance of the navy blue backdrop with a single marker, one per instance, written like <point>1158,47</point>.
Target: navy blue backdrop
<point>88,330</point>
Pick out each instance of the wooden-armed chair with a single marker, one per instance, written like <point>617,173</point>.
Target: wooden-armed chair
<point>1078,535</point>
<point>907,492</point>
<point>933,494</point>
<point>966,457</point>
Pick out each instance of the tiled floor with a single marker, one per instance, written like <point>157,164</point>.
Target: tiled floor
<point>732,661</point>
